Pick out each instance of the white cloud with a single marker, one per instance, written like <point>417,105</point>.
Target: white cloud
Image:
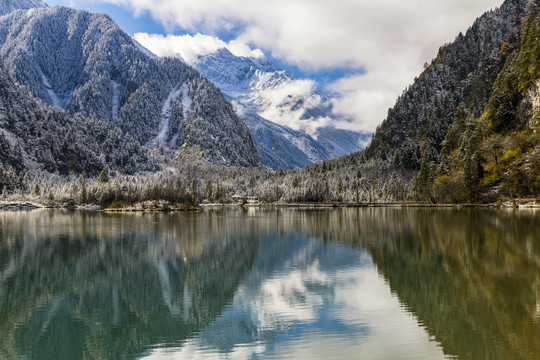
<point>389,39</point>
<point>367,96</point>
<point>189,46</point>
<point>278,105</point>
<point>240,48</point>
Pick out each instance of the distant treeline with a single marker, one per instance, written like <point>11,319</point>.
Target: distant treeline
<point>351,179</point>
<point>191,184</point>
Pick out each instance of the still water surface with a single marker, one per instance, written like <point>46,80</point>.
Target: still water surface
<point>271,283</point>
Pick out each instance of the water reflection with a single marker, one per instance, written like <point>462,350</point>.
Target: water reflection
<point>471,277</point>
<point>270,283</point>
<point>75,284</point>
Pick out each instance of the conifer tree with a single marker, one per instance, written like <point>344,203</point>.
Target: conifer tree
<point>84,191</point>
<point>208,191</point>
<point>103,176</point>
<point>37,189</point>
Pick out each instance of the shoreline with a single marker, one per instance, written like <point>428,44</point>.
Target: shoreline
<point>163,207</point>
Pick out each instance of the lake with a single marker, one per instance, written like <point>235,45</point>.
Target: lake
<point>256,283</point>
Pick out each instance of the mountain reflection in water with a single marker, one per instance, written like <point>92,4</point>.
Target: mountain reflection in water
<point>270,283</point>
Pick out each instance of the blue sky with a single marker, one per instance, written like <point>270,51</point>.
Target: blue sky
<point>366,51</point>
<point>124,17</point>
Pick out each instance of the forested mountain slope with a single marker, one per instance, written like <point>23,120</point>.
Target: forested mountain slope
<point>7,6</point>
<point>35,138</point>
<point>468,125</point>
<point>462,75</point>
<point>466,130</point>
<point>84,63</point>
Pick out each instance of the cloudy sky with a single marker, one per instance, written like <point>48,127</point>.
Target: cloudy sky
<point>366,51</point>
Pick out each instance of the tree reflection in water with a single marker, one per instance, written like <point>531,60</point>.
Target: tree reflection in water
<point>471,276</point>
<point>94,285</point>
<point>108,286</point>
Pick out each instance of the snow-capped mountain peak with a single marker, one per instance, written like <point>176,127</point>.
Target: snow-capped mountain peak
<point>233,73</point>
<point>302,116</point>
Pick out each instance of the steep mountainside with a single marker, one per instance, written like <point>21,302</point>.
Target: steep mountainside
<point>469,124</point>
<point>281,147</point>
<point>85,64</point>
<point>38,138</point>
<point>463,74</point>
<point>281,111</point>
<point>467,129</point>
<point>7,6</point>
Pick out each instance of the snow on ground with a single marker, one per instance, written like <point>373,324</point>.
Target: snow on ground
<point>174,140</point>
<point>97,34</point>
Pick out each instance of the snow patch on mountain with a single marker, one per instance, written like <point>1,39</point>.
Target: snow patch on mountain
<point>279,145</point>
<point>97,34</point>
<point>143,49</point>
<point>186,100</point>
<point>7,6</point>
<point>166,110</point>
<point>53,96</point>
